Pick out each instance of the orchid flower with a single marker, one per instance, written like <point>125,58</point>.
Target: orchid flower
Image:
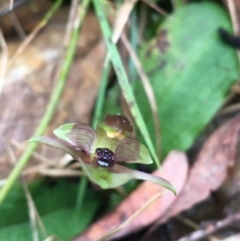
<point>100,151</point>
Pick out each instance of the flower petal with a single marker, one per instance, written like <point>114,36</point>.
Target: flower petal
<point>145,176</point>
<point>81,136</point>
<point>54,143</point>
<point>105,177</point>
<point>132,151</point>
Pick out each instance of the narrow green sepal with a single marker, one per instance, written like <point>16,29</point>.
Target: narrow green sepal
<point>155,179</point>
<point>54,143</point>
<point>146,177</point>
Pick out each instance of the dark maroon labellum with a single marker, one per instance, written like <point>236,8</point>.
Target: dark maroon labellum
<point>119,123</point>
<point>105,157</point>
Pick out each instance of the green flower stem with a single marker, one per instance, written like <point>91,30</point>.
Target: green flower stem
<point>134,43</point>
<point>96,119</point>
<point>53,101</point>
<point>100,99</point>
<point>122,77</point>
<point>81,193</point>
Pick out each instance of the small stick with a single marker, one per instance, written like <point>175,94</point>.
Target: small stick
<point>199,234</point>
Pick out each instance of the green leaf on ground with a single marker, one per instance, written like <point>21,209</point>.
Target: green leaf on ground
<point>191,71</point>
<point>56,205</point>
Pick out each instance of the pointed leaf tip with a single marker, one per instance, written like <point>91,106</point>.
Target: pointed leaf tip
<point>155,179</point>
<point>144,176</point>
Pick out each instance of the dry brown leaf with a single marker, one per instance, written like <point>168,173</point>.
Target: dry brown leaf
<point>234,11</point>
<point>174,169</point>
<point>122,18</point>
<point>210,168</point>
<point>231,186</point>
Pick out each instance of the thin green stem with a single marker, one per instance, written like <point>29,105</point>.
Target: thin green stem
<point>64,71</point>
<point>102,91</point>
<point>81,193</point>
<point>122,77</point>
<point>134,42</point>
<point>96,119</point>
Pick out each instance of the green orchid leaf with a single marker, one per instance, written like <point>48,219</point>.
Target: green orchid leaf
<point>132,151</point>
<point>190,70</point>
<point>105,177</point>
<point>145,176</point>
<point>54,143</point>
<point>81,136</point>
<point>57,211</point>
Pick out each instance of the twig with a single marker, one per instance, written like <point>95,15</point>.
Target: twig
<point>130,219</point>
<point>6,7</point>
<point>48,167</point>
<point>229,109</point>
<point>148,89</point>
<point>212,228</point>
<point>31,36</point>
<point>11,5</point>
<point>32,210</point>
<point>3,60</point>
<point>187,222</point>
<point>234,18</point>
<point>37,155</point>
<point>17,25</point>
<point>155,7</point>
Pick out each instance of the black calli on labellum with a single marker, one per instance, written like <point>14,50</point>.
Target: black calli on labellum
<point>105,157</point>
